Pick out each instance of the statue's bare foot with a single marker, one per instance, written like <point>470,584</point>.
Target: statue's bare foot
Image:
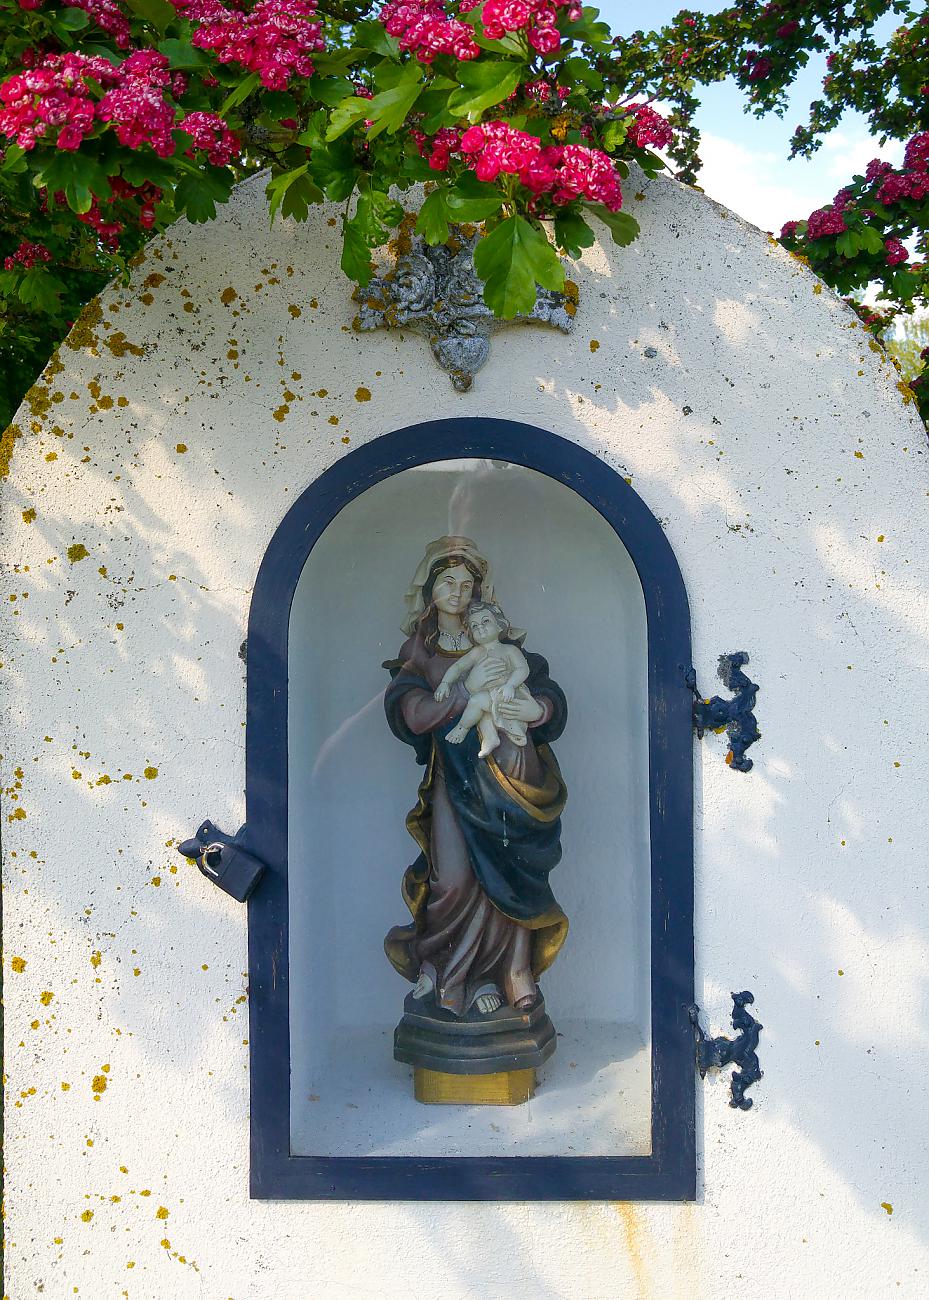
<point>456,735</point>
<point>423,986</point>
<point>488,1003</point>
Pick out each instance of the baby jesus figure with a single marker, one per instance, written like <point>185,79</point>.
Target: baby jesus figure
<point>486,623</point>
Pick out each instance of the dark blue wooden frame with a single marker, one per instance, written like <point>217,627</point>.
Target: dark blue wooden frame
<point>669,1173</point>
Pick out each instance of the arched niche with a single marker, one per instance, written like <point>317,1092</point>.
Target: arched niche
<point>584,566</point>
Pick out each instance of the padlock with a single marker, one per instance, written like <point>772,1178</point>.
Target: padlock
<point>223,860</point>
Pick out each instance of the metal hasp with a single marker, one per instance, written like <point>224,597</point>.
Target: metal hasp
<point>223,859</point>
<point>435,292</point>
<point>715,1053</point>
<point>735,715</point>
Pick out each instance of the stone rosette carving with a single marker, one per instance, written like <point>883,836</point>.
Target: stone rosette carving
<point>435,291</point>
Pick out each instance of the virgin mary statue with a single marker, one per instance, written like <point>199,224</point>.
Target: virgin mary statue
<point>485,923</point>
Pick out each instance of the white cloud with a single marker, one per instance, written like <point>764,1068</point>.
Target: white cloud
<point>767,189</point>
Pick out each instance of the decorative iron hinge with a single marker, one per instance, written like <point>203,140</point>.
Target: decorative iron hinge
<point>741,1051</point>
<point>224,860</point>
<point>734,716</point>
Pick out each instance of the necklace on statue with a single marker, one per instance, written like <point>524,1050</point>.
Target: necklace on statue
<point>454,640</point>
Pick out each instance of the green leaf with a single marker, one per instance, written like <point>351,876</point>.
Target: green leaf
<point>371,35</point>
<point>614,133</point>
<point>14,159</point>
<point>72,20</point>
<point>846,245</point>
<point>650,163</point>
<point>415,168</point>
<point>374,209</point>
<point>197,195</point>
<point>291,193</point>
<point>137,168</point>
<point>387,110</point>
<point>330,90</point>
<point>511,260</point>
<point>181,54</point>
<point>572,232</point>
<point>588,31</point>
<point>240,93</point>
<point>473,200</point>
<point>335,62</point>
<point>157,12</point>
<point>278,104</point>
<point>433,219</point>
<point>623,227</point>
<point>872,241</point>
<point>332,167</point>
<point>345,116</point>
<point>433,104</point>
<point>484,82</point>
<point>356,256</point>
<point>79,175</point>
<point>41,289</point>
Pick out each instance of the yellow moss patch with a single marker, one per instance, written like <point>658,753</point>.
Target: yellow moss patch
<point>362,394</point>
<point>87,1216</point>
<point>95,959</point>
<point>98,1083</point>
<point>77,552</point>
<point>46,997</point>
<point>119,345</point>
<point>83,332</point>
<point>162,1212</point>
<point>7,439</point>
<point>153,281</point>
<point>181,448</point>
<point>18,964</point>
<point>28,516</point>
<point>228,296</point>
<point>294,310</point>
<point>594,345</point>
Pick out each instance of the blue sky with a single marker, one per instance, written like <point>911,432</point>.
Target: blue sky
<point>746,158</point>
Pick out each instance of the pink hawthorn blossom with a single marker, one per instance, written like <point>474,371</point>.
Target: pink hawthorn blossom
<point>565,172</point>
<point>27,256</point>
<point>210,133</point>
<point>424,28</point>
<point>52,96</point>
<point>137,107</point>
<point>649,129</point>
<point>106,14</point>
<point>895,251</point>
<point>824,221</point>
<point>276,38</point>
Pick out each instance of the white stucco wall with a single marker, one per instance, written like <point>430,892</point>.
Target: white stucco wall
<point>750,413</point>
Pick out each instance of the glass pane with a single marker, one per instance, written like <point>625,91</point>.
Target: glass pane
<point>559,572</point>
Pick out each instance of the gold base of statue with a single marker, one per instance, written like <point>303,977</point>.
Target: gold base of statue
<point>507,1088</point>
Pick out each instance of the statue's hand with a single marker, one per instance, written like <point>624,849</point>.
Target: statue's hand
<point>506,694</point>
<point>490,672</point>
<point>521,710</point>
<point>442,692</point>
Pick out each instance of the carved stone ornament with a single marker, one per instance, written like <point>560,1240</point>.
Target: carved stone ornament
<point>435,291</point>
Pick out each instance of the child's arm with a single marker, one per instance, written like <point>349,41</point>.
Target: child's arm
<point>462,665</point>
<point>519,674</point>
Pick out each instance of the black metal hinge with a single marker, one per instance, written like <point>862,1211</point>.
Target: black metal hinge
<point>741,1051</point>
<point>735,715</point>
